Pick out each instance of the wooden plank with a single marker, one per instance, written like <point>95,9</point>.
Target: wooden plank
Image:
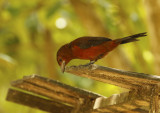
<point>120,103</point>
<point>125,79</point>
<point>46,92</point>
<point>138,110</point>
<point>37,102</point>
<point>60,87</point>
<point>154,99</point>
<point>143,90</point>
<point>58,91</point>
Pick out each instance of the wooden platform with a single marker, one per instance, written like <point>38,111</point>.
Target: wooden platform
<point>55,97</point>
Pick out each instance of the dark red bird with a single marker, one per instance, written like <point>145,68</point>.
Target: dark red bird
<point>90,48</point>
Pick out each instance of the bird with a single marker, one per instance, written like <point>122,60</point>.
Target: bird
<point>91,48</point>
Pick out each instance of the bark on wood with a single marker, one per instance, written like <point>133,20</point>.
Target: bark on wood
<point>125,79</point>
<point>154,99</point>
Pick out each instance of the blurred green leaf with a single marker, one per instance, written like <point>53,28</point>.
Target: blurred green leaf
<point>53,9</point>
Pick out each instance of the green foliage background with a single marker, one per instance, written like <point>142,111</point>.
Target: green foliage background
<point>25,50</point>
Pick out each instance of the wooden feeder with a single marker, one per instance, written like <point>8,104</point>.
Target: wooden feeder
<point>55,97</point>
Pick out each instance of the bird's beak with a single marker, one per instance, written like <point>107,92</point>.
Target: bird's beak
<point>63,66</point>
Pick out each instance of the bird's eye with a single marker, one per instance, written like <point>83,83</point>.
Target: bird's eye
<point>60,60</point>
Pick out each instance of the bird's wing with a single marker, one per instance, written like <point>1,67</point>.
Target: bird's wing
<point>87,42</point>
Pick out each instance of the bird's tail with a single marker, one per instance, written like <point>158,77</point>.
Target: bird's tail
<point>131,38</point>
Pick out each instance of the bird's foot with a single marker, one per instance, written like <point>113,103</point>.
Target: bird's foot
<point>90,63</point>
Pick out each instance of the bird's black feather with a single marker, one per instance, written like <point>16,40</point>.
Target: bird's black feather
<point>87,42</point>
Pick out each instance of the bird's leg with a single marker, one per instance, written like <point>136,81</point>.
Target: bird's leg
<point>91,62</point>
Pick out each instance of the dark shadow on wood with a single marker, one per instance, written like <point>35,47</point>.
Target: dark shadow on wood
<point>37,102</point>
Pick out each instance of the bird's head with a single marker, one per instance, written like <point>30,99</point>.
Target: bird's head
<point>64,55</point>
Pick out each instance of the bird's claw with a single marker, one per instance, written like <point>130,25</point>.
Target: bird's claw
<point>88,64</point>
